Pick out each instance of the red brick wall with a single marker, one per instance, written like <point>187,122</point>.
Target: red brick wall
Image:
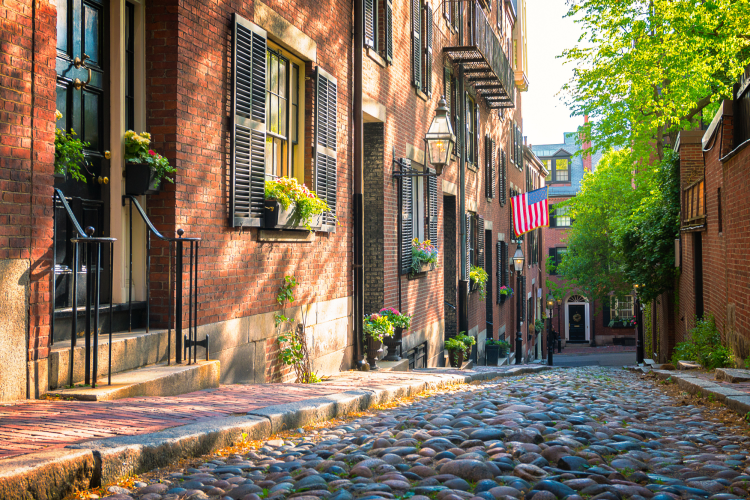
<point>27,107</point>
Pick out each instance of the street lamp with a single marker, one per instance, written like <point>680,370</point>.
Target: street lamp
<point>559,326</point>
<point>518,265</point>
<point>440,138</point>
<point>638,327</point>
<point>550,337</point>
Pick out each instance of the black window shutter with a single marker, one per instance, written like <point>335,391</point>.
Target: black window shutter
<point>416,44</point>
<point>457,120</point>
<point>468,244</point>
<point>389,31</point>
<point>248,140</point>
<point>428,51</point>
<point>487,167</point>
<point>505,263</point>
<point>407,218</point>
<point>607,316</point>
<point>476,134</point>
<point>325,144</point>
<point>499,271</point>
<point>523,299</point>
<point>370,23</point>
<point>493,169</point>
<point>503,179</point>
<point>432,193</point>
<point>447,92</point>
<point>480,241</point>
<point>552,218</point>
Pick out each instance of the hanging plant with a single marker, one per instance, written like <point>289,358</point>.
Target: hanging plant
<point>479,277</point>
<point>137,151</point>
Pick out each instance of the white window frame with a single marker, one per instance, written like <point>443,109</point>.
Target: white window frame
<point>617,306</point>
<point>418,204</point>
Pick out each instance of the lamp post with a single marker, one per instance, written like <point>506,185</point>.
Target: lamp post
<point>440,138</point>
<point>638,327</point>
<point>559,325</point>
<point>550,337</point>
<point>518,265</point>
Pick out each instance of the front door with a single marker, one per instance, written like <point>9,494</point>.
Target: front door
<point>82,98</point>
<point>577,323</point>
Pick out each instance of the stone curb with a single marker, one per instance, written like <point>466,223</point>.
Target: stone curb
<point>736,400</point>
<point>54,474</point>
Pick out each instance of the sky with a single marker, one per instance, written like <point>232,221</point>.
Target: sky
<point>545,116</point>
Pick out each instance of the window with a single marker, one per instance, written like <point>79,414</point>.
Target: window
<point>427,49</point>
<point>473,234</point>
<point>471,130</point>
<point>499,13</point>
<point>379,27</point>
<point>622,308</point>
<point>451,13</point>
<point>560,217</point>
<point>421,45</point>
<point>282,127</point>
<point>418,205</point>
<point>419,212</point>
<point>555,258</point>
<point>559,169</point>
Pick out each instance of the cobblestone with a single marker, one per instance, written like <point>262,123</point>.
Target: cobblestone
<point>577,433</point>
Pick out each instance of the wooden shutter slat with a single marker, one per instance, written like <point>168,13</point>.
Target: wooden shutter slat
<point>480,241</point>
<point>389,31</point>
<point>416,44</point>
<point>499,271</point>
<point>432,191</point>
<point>468,244</point>
<point>325,140</point>
<point>493,180</point>
<point>428,51</point>
<point>370,23</point>
<point>407,218</point>
<point>503,178</point>
<point>476,133</point>
<point>248,130</point>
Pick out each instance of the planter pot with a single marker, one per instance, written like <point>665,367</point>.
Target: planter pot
<point>492,354</point>
<point>59,178</point>
<point>456,358</point>
<point>502,351</point>
<point>139,179</point>
<point>394,345</point>
<point>473,286</point>
<point>374,349</point>
<point>275,217</point>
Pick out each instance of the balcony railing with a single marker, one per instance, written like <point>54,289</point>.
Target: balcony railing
<point>694,206</point>
<point>485,64</point>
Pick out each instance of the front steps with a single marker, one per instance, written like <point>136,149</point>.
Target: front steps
<point>153,380</point>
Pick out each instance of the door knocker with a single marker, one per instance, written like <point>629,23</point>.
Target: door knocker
<point>81,63</point>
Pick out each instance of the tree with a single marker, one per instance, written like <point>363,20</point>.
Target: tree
<point>646,69</point>
<point>594,260</point>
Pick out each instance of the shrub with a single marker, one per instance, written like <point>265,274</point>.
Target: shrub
<point>703,346</point>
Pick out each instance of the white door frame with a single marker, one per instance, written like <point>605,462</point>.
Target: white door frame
<point>586,319</point>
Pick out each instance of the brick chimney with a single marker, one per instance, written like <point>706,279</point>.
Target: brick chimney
<point>690,150</point>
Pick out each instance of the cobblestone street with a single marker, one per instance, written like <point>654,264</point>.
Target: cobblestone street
<point>576,433</point>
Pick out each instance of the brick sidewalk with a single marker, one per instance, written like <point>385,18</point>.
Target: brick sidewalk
<point>33,426</point>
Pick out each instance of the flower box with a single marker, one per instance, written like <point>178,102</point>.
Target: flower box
<point>491,354</point>
<point>473,286</point>
<point>140,179</point>
<point>275,217</point>
<point>426,266</point>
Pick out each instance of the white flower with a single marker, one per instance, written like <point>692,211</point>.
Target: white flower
<point>130,134</point>
<point>58,115</point>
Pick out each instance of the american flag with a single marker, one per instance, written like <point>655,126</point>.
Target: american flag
<point>530,211</point>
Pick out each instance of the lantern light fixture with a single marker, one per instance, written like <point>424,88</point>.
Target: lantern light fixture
<point>440,138</point>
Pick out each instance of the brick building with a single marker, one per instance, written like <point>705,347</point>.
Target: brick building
<point>578,318</point>
<point>234,93</point>
<point>714,271</point>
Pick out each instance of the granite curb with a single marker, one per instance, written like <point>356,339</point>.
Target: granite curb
<point>736,400</point>
<point>54,474</point>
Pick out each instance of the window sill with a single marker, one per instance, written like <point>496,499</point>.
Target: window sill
<point>285,236</point>
<point>421,95</point>
<point>372,54</point>
<point>472,167</point>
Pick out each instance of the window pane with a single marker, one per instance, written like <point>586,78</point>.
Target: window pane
<point>561,170</point>
<point>274,120</point>
<point>282,117</point>
<point>273,81</point>
<point>270,168</point>
<point>295,84</point>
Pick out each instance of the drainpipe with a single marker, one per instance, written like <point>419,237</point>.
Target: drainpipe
<point>359,222</point>
<point>463,282</point>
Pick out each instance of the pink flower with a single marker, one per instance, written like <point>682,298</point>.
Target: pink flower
<point>151,152</point>
<point>375,316</point>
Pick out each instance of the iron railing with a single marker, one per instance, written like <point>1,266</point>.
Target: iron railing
<point>92,247</point>
<point>186,345</point>
<point>485,63</point>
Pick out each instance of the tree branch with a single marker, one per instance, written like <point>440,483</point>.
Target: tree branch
<point>698,107</point>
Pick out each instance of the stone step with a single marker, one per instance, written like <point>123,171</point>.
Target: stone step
<point>733,375</point>
<point>688,365</point>
<point>394,366</point>
<point>153,380</point>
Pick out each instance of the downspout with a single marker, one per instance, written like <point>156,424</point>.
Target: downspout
<point>359,222</point>
<point>463,281</point>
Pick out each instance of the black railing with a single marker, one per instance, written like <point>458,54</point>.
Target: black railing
<point>485,62</point>
<point>92,247</point>
<point>186,345</point>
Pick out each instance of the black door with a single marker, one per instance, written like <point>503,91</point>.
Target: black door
<point>577,323</point>
<point>82,98</point>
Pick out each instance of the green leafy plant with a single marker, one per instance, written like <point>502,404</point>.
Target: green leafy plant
<point>137,151</point>
<point>377,326</point>
<point>704,346</point>
<point>538,325</point>
<point>397,319</point>
<point>479,276</point>
<point>454,346</point>
<point>293,349</point>
<point>505,290</point>
<point>69,152</point>
<point>287,191</point>
<point>422,252</point>
<point>467,340</point>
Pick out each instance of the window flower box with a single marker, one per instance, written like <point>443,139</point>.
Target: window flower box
<point>140,179</point>
<point>290,205</point>
<point>276,216</point>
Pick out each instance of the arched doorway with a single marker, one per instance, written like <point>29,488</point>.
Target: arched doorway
<point>577,320</point>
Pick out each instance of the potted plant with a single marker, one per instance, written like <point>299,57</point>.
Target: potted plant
<point>376,327</point>
<point>144,168</point>
<point>456,352</point>
<point>68,153</point>
<point>469,342</point>
<point>505,293</point>
<point>290,205</point>
<point>400,323</point>
<point>424,256</point>
<point>494,350</point>
<point>538,325</point>
<point>478,277</point>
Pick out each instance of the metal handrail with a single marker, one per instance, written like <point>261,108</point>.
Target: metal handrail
<point>183,345</point>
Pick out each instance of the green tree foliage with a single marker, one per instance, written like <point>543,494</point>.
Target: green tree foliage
<point>647,69</point>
